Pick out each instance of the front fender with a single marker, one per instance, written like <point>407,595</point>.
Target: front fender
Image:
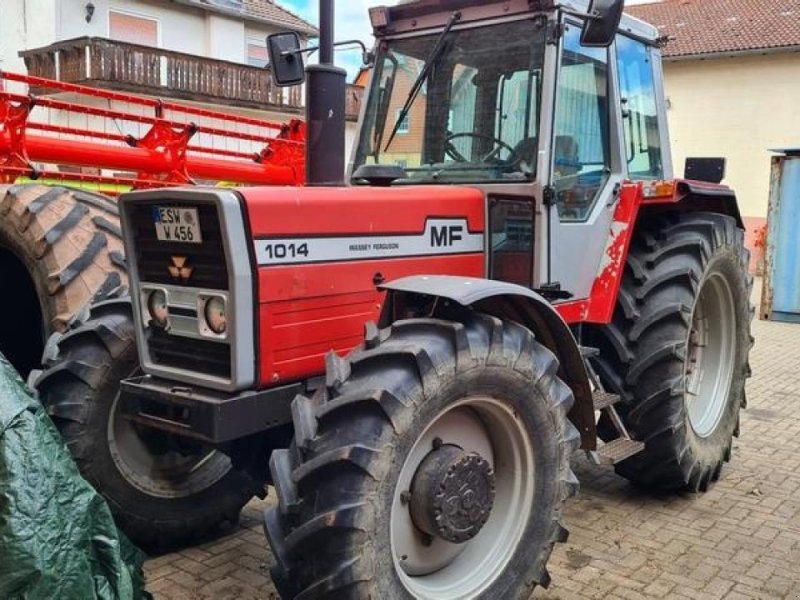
<point>516,303</point>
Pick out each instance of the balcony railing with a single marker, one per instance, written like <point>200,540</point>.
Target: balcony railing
<point>117,65</point>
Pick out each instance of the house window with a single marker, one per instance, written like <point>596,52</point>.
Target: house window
<point>132,29</point>
<point>257,54</point>
<point>403,126</point>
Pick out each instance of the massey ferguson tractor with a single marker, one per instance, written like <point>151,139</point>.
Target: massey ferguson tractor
<point>411,357</point>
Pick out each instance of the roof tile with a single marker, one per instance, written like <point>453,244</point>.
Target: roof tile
<point>701,27</point>
<point>274,13</point>
<point>267,11</point>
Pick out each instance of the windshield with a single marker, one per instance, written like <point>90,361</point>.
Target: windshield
<point>475,117</point>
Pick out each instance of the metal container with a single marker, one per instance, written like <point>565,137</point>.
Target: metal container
<point>780,299</point>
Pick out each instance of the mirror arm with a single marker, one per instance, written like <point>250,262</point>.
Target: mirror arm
<point>581,15</point>
<point>366,56</point>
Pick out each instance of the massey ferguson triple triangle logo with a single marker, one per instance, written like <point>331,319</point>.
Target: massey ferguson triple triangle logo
<point>179,270</point>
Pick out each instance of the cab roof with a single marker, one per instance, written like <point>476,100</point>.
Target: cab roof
<point>421,15</point>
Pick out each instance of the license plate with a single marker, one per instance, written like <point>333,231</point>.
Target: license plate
<point>176,224</point>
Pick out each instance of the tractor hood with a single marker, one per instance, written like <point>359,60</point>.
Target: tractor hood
<point>321,254</point>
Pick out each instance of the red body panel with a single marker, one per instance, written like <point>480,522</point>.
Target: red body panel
<point>599,306</point>
<point>674,194</point>
<point>306,310</point>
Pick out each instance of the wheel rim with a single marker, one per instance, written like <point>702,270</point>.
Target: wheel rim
<point>166,472</point>
<point>433,567</point>
<point>710,356</point>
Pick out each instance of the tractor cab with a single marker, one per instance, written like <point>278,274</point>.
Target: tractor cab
<point>548,107</point>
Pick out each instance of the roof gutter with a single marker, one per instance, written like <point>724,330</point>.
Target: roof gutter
<point>733,53</point>
<point>308,31</point>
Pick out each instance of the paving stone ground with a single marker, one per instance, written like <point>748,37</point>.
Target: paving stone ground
<point>740,540</point>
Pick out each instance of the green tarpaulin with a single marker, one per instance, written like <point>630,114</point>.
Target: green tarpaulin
<point>57,535</point>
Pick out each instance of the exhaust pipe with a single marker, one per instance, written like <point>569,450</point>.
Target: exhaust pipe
<point>325,100</point>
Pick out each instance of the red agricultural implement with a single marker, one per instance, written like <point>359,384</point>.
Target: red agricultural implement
<point>84,134</point>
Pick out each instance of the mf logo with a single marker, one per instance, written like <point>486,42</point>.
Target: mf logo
<point>179,269</point>
<point>446,235</point>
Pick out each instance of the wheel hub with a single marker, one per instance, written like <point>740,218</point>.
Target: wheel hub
<point>452,494</point>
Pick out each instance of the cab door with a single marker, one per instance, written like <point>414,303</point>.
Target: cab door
<point>587,167</point>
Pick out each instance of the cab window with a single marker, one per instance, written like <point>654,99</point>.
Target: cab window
<point>581,164</point>
<point>640,118</point>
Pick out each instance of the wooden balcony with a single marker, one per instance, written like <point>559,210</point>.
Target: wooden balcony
<point>151,71</point>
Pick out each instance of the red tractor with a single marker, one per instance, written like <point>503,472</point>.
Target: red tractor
<point>511,273</point>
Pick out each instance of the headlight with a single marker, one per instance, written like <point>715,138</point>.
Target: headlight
<point>157,307</point>
<point>214,313</point>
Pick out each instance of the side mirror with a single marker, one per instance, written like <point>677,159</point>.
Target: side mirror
<point>602,23</point>
<point>286,59</point>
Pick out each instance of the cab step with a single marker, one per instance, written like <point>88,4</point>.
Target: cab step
<point>603,399</point>
<point>616,451</point>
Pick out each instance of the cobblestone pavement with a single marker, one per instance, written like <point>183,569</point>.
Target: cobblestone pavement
<point>740,540</point>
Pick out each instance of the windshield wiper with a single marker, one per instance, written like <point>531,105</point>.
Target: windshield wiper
<point>423,75</point>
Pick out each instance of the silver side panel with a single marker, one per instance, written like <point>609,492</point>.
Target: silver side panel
<point>578,247</point>
<point>663,121</point>
<point>239,296</point>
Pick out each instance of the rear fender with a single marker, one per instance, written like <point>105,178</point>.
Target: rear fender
<point>696,196</point>
<point>511,302</point>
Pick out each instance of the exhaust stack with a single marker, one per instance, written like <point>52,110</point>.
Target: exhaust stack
<point>325,101</point>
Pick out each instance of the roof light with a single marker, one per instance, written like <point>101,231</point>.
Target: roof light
<point>379,16</point>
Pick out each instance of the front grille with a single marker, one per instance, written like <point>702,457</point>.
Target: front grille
<point>172,349</point>
<point>199,356</point>
<point>153,257</point>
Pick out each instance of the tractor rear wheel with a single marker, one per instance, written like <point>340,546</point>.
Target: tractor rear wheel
<point>59,250</point>
<point>162,490</point>
<point>433,464</point>
<point>677,349</point>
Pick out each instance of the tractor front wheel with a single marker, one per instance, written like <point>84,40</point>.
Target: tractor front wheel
<point>433,464</point>
<point>163,491</point>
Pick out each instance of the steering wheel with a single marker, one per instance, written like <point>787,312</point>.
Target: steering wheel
<point>499,144</point>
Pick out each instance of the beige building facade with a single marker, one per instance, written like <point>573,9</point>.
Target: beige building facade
<point>739,107</point>
<point>732,82</point>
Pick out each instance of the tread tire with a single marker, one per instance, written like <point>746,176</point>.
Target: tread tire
<point>330,531</point>
<point>70,243</point>
<point>78,387</point>
<point>643,351</point>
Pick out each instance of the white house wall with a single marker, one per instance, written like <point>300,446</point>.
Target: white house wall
<point>181,28</point>
<point>225,38</point>
<point>24,24</point>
